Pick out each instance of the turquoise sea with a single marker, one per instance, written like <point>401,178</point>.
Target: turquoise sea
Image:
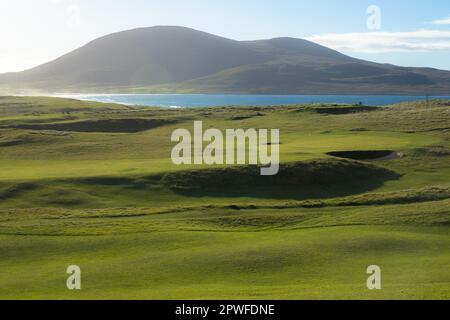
<point>203,100</point>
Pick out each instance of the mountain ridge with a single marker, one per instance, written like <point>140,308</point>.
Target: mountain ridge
<point>171,59</point>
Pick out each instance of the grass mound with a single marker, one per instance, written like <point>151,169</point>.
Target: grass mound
<point>436,193</point>
<point>108,125</point>
<point>312,179</point>
<point>433,151</point>
<point>16,190</point>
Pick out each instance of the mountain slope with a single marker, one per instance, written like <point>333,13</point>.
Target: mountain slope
<point>177,59</point>
<point>319,78</point>
<point>143,57</point>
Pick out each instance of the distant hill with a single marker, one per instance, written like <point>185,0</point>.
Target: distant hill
<point>177,59</point>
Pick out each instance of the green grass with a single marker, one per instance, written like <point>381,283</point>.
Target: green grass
<point>92,184</point>
<point>288,264</point>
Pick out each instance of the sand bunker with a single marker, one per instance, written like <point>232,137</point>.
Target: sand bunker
<point>367,155</point>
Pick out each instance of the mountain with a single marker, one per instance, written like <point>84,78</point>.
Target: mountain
<point>177,59</point>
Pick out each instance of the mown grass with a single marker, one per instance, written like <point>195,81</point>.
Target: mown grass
<point>92,184</point>
<point>291,264</point>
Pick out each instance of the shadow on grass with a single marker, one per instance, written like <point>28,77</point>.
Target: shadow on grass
<point>109,125</point>
<point>299,181</point>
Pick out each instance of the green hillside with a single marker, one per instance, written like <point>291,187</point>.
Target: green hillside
<point>92,184</point>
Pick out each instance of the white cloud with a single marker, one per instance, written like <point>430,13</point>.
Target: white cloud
<point>382,42</point>
<point>444,21</point>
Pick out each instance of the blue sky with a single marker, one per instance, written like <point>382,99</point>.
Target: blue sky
<point>410,33</point>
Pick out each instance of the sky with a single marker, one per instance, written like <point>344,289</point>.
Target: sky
<point>402,32</point>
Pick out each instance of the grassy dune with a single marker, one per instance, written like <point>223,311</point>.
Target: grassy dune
<point>92,184</point>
